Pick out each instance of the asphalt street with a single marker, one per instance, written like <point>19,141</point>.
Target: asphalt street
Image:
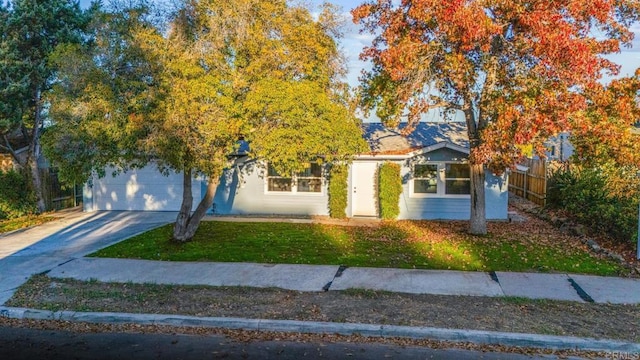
<point>26,343</point>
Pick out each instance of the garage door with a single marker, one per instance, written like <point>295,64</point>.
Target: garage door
<point>143,189</point>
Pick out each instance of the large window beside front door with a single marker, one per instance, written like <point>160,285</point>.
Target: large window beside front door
<point>307,181</point>
<point>440,180</point>
<point>457,179</point>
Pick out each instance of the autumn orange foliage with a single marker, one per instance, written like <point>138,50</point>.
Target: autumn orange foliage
<point>518,70</point>
<point>604,132</point>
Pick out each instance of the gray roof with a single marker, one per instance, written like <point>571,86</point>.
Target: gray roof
<point>385,140</point>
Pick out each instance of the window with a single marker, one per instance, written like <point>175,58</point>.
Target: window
<point>277,183</point>
<point>440,179</point>
<point>457,179</point>
<point>310,180</point>
<point>425,179</point>
<point>307,181</point>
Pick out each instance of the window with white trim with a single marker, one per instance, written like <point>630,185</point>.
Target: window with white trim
<point>425,178</point>
<point>457,179</point>
<point>307,181</point>
<point>440,180</point>
<point>277,183</point>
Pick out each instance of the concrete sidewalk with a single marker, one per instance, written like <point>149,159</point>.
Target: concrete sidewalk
<point>567,287</point>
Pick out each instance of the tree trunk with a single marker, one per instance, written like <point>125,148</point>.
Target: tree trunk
<point>478,220</point>
<point>180,226</point>
<point>34,154</point>
<point>36,182</point>
<point>187,223</point>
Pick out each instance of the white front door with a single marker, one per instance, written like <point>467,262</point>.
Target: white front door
<point>363,189</point>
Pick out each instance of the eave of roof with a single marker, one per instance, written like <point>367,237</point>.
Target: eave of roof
<point>413,152</point>
<point>427,135</point>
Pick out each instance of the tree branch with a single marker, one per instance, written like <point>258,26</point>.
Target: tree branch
<point>9,148</point>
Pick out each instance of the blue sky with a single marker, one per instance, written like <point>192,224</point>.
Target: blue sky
<point>353,42</point>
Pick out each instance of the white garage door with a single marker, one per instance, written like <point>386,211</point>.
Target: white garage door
<point>138,190</point>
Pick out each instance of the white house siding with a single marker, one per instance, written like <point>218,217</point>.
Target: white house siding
<point>144,189</point>
<point>244,192</point>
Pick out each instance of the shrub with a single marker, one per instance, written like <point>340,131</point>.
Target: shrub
<point>556,185</point>
<point>590,196</point>
<point>16,199</point>
<point>338,191</point>
<point>389,190</point>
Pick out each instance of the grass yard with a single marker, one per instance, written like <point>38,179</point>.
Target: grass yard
<point>23,222</point>
<point>530,246</point>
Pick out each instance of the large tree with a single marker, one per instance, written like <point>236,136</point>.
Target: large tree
<point>516,70</point>
<point>30,30</point>
<point>183,94</point>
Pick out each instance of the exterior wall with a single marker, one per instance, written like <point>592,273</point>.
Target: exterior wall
<point>437,208</point>
<point>497,196</point>
<point>242,190</point>
<point>454,207</point>
<point>144,189</point>
<point>349,210</point>
<point>87,198</point>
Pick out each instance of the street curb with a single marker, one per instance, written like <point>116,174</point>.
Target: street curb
<point>453,335</point>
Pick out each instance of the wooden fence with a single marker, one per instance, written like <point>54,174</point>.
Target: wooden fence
<point>529,180</point>
<point>56,195</point>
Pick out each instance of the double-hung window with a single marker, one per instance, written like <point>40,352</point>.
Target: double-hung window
<point>277,183</point>
<point>310,180</point>
<point>307,181</point>
<point>440,180</point>
<point>425,179</point>
<point>457,179</point>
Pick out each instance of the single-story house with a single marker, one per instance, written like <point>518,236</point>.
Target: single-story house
<point>434,171</point>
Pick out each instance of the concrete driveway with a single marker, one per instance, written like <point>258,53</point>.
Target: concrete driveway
<point>41,248</point>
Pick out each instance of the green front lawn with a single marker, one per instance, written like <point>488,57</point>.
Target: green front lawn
<point>533,246</point>
<point>23,222</point>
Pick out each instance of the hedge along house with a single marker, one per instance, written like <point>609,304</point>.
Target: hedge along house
<point>434,175</point>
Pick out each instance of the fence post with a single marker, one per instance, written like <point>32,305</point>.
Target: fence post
<point>544,189</point>
<point>526,177</point>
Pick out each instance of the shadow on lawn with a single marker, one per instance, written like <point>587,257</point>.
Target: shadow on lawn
<point>396,244</point>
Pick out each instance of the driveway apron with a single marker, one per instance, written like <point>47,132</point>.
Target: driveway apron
<point>42,248</point>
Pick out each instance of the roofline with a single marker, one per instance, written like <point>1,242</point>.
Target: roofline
<point>426,149</point>
<point>440,145</point>
<point>374,156</point>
